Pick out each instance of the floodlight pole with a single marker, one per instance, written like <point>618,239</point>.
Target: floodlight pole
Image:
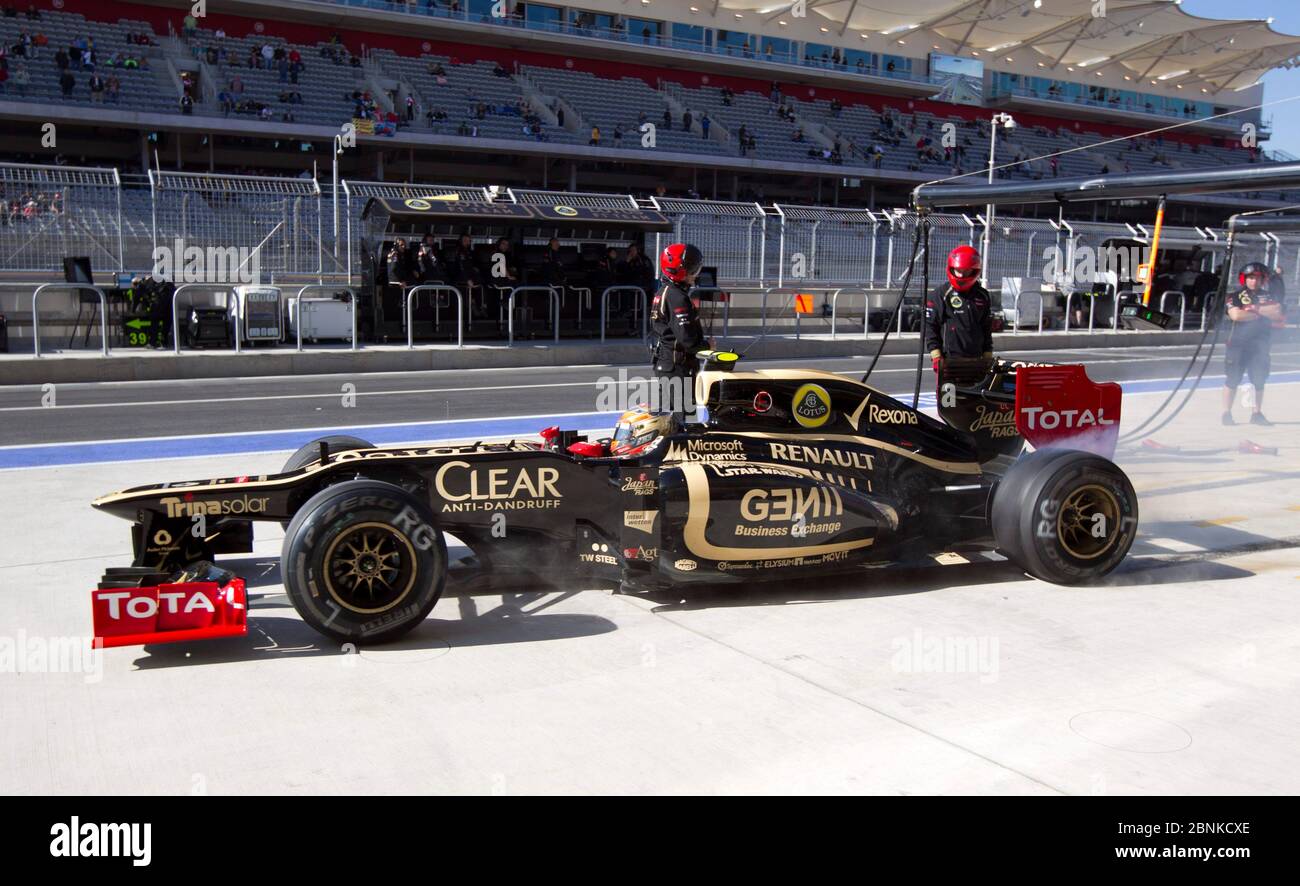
<point>334,195</point>
<point>1001,119</point>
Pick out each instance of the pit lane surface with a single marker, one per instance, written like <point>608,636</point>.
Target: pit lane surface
<point>128,410</point>
<point>1179,674</point>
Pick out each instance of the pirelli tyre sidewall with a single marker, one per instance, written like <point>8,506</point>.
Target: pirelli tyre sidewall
<point>363,561</point>
<point>310,452</point>
<point>1009,498</point>
<point>1071,516</point>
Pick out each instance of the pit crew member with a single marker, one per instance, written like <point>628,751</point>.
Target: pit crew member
<point>675,321</point>
<point>1252,314</point>
<point>958,314</point>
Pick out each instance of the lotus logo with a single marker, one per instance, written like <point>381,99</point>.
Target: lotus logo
<point>417,203</point>
<point>566,210</point>
<point>812,406</point>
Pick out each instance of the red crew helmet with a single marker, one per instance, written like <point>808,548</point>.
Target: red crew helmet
<point>1254,269</point>
<point>680,260</point>
<point>963,267</point>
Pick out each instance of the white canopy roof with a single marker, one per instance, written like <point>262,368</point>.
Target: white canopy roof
<point>1144,40</point>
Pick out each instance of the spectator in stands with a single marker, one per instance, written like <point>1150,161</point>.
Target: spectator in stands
<point>268,55</point>
<point>96,88</point>
<point>282,68</point>
<point>836,107</point>
<point>61,59</point>
<point>704,124</point>
<point>742,138</point>
<point>798,135</point>
<point>668,119</point>
<point>187,101</point>
<point>236,85</point>
<point>33,13</point>
<point>67,83</point>
<point>499,71</point>
<point>410,108</point>
<point>687,121</point>
<point>727,96</point>
<point>618,135</point>
<point>21,78</point>
<point>189,25</point>
<point>595,137</point>
<point>4,78</point>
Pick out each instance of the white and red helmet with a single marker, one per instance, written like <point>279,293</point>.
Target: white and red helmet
<point>638,429</point>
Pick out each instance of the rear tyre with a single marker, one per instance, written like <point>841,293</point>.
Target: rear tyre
<point>363,561</point>
<point>310,452</point>
<point>1065,516</point>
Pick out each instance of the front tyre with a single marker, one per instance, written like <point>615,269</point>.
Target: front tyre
<point>363,561</point>
<point>1072,519</point>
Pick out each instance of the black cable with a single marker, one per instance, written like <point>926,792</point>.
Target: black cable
<point>1209,357</point>
<point>1212,325</point>
<point>925,292</point>
<point>907,282</point>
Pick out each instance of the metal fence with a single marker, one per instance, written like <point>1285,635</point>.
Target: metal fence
<point>286,224</point>
<point>732,236</point>
<point>54,211</point>
<point>276,224</point>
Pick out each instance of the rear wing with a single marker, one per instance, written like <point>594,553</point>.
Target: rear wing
<point>1060,407</point>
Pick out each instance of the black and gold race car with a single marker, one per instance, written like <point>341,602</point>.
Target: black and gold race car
<point>790,473</point>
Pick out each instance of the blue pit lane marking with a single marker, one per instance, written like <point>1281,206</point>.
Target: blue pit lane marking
<point>483,428</point>
<point>272,441</point>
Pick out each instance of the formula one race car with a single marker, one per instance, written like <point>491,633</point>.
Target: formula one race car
<point>790,473</point>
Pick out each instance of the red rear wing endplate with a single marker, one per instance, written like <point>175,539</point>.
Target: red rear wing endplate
<point>1059,406</point>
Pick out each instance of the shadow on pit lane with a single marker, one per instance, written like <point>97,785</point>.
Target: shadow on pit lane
<point>517,618</point>
<point>881,582</point>
<point>1147,571</point>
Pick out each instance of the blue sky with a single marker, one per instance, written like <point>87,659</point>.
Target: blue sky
<point>1277,84</point>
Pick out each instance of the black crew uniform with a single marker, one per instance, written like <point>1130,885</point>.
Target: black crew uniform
<point>959,324</point>
<point>1246,354</point>
<point>675,322</point>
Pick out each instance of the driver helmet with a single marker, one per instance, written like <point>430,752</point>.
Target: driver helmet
<point>638,429</point>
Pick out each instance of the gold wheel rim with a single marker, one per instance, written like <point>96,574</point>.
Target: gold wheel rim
<point>370,563</point>
<point>1077,522</point>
